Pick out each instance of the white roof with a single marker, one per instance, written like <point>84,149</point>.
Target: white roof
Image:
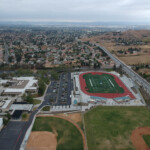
<point>7,102</point>
<point>29,85</point>
<point>3,81</point>
<point>21,107</point>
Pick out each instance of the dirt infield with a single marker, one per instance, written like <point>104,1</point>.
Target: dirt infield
<point>106,95</point>
<point>42,141</point>
<point>62,117</point>
<point>137,139</point>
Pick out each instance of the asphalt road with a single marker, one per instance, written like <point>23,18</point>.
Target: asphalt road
<point>10,135</point>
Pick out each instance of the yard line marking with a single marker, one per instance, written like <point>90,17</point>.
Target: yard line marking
<point>111,83</point>
<point>91,83</point>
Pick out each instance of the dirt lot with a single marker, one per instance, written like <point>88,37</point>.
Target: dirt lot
<point>42,141</point>
<point>137,138</point>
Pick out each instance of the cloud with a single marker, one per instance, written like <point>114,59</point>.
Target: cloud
<point>84,10</point>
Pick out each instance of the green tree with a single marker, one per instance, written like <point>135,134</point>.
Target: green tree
<point>42,87</point>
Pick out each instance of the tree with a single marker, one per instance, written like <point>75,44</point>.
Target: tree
<point>42,87</point>
<point>29,99</point>
<point>55,75</point>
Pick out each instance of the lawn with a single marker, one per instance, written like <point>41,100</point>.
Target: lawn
<point>25,116</point>
<point>36,101</point>
<point>147,139</point>
<point>46,108</point>
<point>69,138</point>
<point>109,128</point>
<point>104,83</point>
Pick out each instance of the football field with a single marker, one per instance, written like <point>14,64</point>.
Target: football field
<point>104,83</point>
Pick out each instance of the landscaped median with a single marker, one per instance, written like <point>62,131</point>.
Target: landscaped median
<point>46,108</point>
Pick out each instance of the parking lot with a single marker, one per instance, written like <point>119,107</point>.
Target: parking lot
<point>58,93</point>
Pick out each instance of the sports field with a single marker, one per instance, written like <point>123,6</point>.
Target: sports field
<point>104,83</point>
<point>110,128</point>
<point>68,136</point>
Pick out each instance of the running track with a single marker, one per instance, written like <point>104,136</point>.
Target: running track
<point>106,95</point>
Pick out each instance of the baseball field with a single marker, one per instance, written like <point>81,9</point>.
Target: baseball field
<point>68,136</point>
<point>110,128</point>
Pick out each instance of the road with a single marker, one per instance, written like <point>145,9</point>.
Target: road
<point>128,70</point>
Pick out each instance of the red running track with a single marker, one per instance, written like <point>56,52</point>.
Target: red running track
<point>106,95</point>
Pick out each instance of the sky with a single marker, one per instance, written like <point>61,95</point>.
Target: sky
<point>75,10</point>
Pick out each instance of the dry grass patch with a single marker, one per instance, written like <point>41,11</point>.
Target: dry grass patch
<point>131,60</point>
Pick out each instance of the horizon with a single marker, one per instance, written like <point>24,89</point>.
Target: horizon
<point>77,11</point>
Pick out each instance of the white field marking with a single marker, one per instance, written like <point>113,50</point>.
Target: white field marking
<point>94,82</point>
<point>108,82</point>
<point>111,83</point>
<point>91,82</point>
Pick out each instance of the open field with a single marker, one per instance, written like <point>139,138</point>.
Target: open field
<point>131,60</point>
<point>110,128</point>
<point>68,136</point>
<point>104,83</point>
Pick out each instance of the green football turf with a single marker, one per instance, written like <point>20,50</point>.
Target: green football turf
<point>110,128</point>
<point>104,83</point>
<point>69,137</point>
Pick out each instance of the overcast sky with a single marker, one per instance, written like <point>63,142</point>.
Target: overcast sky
<point>75,10</point>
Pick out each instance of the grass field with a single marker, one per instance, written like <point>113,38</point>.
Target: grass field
<point>69,138</point>
<point>104,83</point>
<point>147,139</point>
<point>109,128</point>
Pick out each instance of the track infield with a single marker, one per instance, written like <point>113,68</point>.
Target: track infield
<point>103,85</point>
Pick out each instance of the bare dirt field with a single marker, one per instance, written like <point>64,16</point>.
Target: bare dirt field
<point>137,138</point>
<point>42,141</point>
